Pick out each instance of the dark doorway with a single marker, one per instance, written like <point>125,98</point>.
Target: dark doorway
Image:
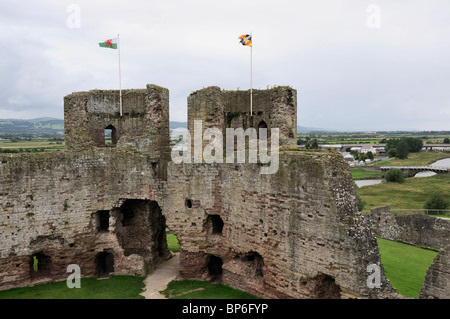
<point>104,264</point>
<point>214,225</point>
<point>142,230</point>
<point>262,125</point>
<point>40,266</point>
<point>102,220</point>
<point>325,287</point>
<point>214,264</point>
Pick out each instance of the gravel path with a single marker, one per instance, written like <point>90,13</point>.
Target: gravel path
<point>158,279</point>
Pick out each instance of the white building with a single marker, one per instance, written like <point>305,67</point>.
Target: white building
<point>368,148</point>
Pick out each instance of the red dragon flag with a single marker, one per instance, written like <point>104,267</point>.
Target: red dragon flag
<point>246,40</point>
<point>111,43</point>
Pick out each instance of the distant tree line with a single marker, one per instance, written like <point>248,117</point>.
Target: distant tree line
<point>401,147</point>
<point>21,150</point>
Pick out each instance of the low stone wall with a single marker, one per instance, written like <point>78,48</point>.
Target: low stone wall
<point>437,279</point>
<point>415,229</point>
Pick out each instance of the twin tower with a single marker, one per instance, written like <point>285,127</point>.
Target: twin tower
<point>144,124</point>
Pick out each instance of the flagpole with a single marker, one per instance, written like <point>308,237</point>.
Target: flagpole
<point>120,76</point>
<point>251,76</point>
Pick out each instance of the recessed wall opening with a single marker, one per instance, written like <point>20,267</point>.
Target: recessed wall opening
<point>188,203</point>
<point>141,230</point>
<point>102,220</point>
<point>262,125</point>
<point>214,265</point>
<point>325,287</point>
<point>255,262</point>
<point>214,225</point>
<point>110,134</point>
<point>40,266</point>
<point>104,264</point>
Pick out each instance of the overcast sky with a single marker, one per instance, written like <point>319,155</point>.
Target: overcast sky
<point>356,64</point>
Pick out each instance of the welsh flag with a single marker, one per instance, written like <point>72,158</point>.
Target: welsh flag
<point>111,43</point>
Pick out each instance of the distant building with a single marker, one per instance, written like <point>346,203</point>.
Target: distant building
<point>436,147</point>
<point>368,148</point>
<point>348,157</point>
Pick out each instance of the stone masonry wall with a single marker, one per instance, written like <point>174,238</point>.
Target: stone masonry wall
<point>437,279</point>
<point>144,125</point>
<point>293,234</point>
<point>414,229</point>
<point>48,204</point>
<point>276,107</point>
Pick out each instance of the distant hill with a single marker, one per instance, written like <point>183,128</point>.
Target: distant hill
<point>306,129</point>
<point>300,129</point>
<point>36,127</point>
<point>174,124</point>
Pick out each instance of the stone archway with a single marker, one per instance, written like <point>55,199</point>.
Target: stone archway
<point>110,135</point>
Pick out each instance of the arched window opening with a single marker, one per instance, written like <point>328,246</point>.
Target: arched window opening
<point>261,126</point>
<point>110,136</point>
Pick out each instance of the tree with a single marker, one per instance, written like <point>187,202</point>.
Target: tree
<point>446,140</point>
<point>314,145</point>
<point>395,175</point>
<point>363,157</point>
<point>392,152</point>
<point>435,202</point>
<point>370,155</point>
<point>402,149</point>
<point>355,154</point>
<point>414,144</point>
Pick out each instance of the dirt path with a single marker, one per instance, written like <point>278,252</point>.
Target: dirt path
<point>158,279</point>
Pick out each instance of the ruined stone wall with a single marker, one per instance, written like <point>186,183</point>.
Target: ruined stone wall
<point>437,279</point>
<point>276,107</point>
<point>414,229</point>
<point>48,206</point>
<point>294,234</point>
<point>144,126</point>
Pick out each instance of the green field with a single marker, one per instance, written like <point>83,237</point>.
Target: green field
<point>115,287</point>
<point>405,266</point>
<point>184,289</point>
<point>414,159</point>
<point>359,173</point>
<point>410,194</point>
<point>172,243</point>
<point>37,144</point>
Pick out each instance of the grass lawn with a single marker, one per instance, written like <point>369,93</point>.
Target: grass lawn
<point>116,287</point>
<point>30,144</point>
<point>408,195</point>
<point>359,173</point>
<point>405,266</point>
<point>414,159</point>
<point>207,290</point>
<point>172,243</point>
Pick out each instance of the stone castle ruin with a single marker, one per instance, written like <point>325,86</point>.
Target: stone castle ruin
<point>106,207</point>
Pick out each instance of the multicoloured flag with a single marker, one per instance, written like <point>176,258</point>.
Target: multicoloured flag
<point>246,39</point>
<point>111,43</point>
